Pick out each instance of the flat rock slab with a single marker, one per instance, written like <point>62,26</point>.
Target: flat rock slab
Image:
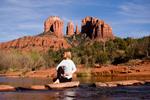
<point>100,84</point>
<point>63,85</point>
<point>7,88</point>
<point>38,87</point>
<point>147,81</point>
<point>126,82</point>
<point>119,83</point>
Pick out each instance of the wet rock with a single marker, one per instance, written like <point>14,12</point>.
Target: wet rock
<point>111,85</point>
<point>126,82</point>
<point>100,84</point>
<point>38,87</point>
<point>7,88</point>
<point>147,82</point>
<point>63,85</point>
<point>108,84</point>
<point>119,83</point>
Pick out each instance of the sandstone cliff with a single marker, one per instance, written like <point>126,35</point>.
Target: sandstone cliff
<point>95,28</point>
<point>77,30</point>
<point>38,43</point>
<point>70,29</point>
<point>54,25</point>
<point>53,37</point>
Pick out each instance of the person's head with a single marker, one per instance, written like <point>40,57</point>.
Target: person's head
<point>67,55</point>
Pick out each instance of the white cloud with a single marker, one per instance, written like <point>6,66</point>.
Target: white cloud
<point>27,16</point>
<point>38,3</point>
<point>135,10</point>
<point>136,33</point>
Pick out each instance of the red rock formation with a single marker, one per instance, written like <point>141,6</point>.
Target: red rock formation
<point>77,30</point>
<point>54,25</point>
<point>92,27</point>
<point>70,29</point>
<point>39,43</point>
<point>96,29</point>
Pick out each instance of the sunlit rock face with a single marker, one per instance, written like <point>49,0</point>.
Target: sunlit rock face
<point>77,31</point>
<point>52,37</point>
<point>38,43</point>
<point>70,29</point>
<point>54,24</point>
<point>95,28</point>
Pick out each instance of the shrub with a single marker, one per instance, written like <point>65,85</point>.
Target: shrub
<point>87,52</point>
<point>102,58</point>
<point>15,61</point>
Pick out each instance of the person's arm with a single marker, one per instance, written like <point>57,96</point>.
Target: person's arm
<point>60,64</point>
<point>73,67</point>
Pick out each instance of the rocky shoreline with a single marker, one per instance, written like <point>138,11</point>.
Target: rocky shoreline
<point>96,84</point>
<point>139,69</point>
<point>121,83</point>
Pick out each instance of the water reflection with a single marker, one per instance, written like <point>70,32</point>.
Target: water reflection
<point>28,95</point>
<point>24,82</point>
<point>84,92</point>
<point>112,78</point>
<point>67,95</point>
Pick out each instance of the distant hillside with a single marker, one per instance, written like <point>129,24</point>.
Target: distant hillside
<point>39,43</point>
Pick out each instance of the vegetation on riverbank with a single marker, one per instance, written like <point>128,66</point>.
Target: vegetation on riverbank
<point>84,51</point>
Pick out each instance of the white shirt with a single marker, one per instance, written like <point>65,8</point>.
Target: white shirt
<point>69,68</point>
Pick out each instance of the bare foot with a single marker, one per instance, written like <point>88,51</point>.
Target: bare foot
<point>57,81</point>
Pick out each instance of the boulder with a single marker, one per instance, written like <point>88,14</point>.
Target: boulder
<point>7,88</point>
<point>147,81</point>
<point>63,85</point>
<point>119,83</point>
<point>38,87</point>
<point>100,84</point>
<point>126,82</point>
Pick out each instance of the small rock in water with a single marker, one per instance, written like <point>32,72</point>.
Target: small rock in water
<point>38,87</point>
<point>7,88</point>
<point>100,84</point>
<point>111,84</point>
<point>147,82</point>
<point>120,83</point>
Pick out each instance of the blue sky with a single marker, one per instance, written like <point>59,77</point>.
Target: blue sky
<point>128,18</point>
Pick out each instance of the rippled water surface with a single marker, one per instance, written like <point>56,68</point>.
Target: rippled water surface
<point>86,91</point>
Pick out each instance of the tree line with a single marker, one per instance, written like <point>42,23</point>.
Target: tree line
<point>84,51</point>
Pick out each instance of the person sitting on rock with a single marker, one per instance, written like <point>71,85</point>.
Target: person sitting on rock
<point>65,69</point>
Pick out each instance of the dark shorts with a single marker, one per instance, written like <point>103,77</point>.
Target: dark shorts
<point>62,79</point>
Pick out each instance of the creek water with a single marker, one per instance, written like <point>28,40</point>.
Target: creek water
<point>86,91</point>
